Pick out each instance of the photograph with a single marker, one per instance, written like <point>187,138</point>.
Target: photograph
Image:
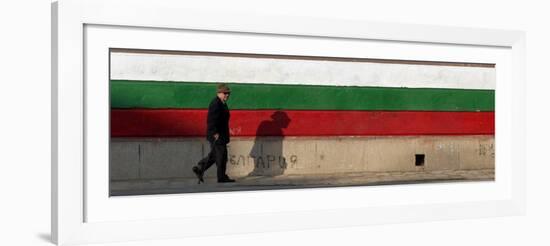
<point>197,121</point>
<point>329,123</point>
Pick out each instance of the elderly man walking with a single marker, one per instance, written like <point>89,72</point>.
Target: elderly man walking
<point>217,133</point>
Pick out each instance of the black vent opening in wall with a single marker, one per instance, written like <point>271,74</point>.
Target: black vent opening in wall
<point>419,160</point>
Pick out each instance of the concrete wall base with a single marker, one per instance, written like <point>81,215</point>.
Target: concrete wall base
<point>153,158</point>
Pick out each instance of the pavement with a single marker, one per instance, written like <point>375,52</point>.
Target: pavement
<point>188,185</point>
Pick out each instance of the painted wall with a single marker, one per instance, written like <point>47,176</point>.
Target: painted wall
<point>299,116</point>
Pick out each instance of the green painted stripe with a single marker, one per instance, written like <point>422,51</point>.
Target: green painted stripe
<point>197,95</point>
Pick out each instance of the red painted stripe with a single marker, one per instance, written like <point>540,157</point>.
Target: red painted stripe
<point>188,122</point>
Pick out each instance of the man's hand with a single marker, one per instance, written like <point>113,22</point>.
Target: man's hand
<point>216,136</point>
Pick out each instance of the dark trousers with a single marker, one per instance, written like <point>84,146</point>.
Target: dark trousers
<point>218,155</point>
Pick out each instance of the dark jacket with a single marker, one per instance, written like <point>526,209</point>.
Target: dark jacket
<point>217,121</point>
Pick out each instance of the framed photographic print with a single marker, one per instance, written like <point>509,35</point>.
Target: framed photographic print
<point>169,123</point>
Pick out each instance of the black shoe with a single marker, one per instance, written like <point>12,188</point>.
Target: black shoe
<point>226,180</point>
<point>198,173</point>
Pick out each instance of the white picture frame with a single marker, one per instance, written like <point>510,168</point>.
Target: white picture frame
<point>82,211</point>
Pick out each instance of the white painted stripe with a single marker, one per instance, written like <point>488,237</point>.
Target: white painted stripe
<point>196,68</point>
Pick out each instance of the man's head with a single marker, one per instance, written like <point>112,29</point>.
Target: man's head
<point>223,92</point>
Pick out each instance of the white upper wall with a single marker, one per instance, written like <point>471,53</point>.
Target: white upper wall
<point>197,68</point>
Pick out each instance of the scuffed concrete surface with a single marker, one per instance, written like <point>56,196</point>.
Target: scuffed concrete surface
<point>296,181</point>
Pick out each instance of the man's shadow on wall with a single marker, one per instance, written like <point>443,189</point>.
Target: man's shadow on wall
<point>267,151</point>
